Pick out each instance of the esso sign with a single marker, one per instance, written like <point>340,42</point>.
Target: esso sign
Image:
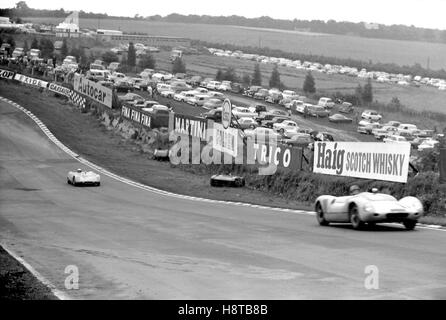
<point>226,113</point>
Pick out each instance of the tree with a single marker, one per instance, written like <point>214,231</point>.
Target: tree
<point>21,5</point>
<point>246,80</point>
<point>367,92</point>
<point>109,56</point>
<point>147,61</point>
<point>25,47</point>
<point>358,93</point>
<point>79,53</point>
<point>274,81</point>
<point>11,42</point>
<point>64,48</point>
<point>47,48</point>
<point>257,76</point>
<point>309,83</point>
<point>178,66</point>
<point>219,75</point>
<point>131,56</point>
<point>230,75</point>
<point>34,44</point>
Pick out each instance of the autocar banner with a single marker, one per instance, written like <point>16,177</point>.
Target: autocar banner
<point>31,81</point>
<point>369,160</point>
<point>136,116</point>
<point>93,90</point>
<point>6,74</point>
<point>59,89</point>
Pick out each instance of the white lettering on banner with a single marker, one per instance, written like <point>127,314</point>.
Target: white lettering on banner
<point>370,160</point>
<point>225,140</point>
<point>6,74</point>
<point>195,128</point>
<point>278,155</point>
<point>59,89</point>
<point>136,116</point>
<point>93,90</point>
<point>31,81</point>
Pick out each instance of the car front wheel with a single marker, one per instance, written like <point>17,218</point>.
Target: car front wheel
<point>320,216</point>
<point>410,224</point>
<point>355,220</point>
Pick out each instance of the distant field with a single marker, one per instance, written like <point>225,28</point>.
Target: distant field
<point>376,50</point>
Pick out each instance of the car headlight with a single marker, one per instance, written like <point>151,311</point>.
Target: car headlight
<point>368,208</point>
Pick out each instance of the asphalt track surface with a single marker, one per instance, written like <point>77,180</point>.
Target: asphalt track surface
<point>129,243</point>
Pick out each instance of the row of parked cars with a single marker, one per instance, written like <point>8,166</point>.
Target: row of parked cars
<point>379,76</point>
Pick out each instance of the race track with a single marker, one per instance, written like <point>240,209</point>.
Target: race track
<point>129,243</point>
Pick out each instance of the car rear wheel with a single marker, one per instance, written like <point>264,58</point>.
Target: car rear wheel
<point>355,220</point>
<point>410,224</point>
<point>320,216</point>
<point>68,181</point>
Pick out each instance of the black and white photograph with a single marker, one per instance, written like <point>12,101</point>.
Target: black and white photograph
<point>249,151</point>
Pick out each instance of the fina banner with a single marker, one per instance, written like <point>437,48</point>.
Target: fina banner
<point>137,116</point>
<point>225,140</point>
<point>6,74</point>
<point>93,90</point>
<point>369,160</point>
<point>60,90</point>
<point>31,81</point>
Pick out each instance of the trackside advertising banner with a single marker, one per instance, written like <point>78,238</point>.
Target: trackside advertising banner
<point>60,90</point>
<point>31,81</point>
<point>137,116</point>
<point>6,74</point>
<point>189,125</point>
<point>93,90</point>
<point>369,160</point>
<point>280,155</point>
<point>225,140</point>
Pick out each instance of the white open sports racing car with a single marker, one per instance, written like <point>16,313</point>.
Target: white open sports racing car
<point>368,207</point>
<point>80,177</point>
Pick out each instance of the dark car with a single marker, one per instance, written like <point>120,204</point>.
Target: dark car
<point>301,140</point>
<point>346,107</point>
<point>123,87</point>
<point>261,94</point>
<point>236,87</point>
<point>321,136</point>
<point>339,118</point>
<point>227,180</point>
<point>214,114</point>
<point>252,90</point>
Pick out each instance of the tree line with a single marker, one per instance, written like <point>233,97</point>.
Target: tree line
<point>394,32</point>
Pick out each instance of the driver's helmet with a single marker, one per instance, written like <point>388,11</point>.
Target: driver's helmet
<point>354,189</point>
<point>79,170</point>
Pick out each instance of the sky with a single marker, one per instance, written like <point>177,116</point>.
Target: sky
<point>420,13</point>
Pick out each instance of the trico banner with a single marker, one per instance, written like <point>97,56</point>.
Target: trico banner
<point>6,74</point>
<point>31,81</point>
<point>60,90</point>
<point>93,90</point>
<point>137,116</point>
<point>225,140</point>
<point>279,155</point>
<point>188,125</point>
<point>369,160</point>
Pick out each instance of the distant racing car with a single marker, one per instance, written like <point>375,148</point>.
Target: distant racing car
<point>368,207</point>
<point>80,177</point>
<point>227,180</point>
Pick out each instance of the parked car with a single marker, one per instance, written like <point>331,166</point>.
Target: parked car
<point>367,127</point>
<point>279,113</point>
<point>144,103</point>
<point>339,118</point>
<point>384,131</point>
<point>263,134</point>
<point>213,85</point>
<point>247,123</point>
<point>346,107</point>
<point>274,97</point>
<point>162,76</point>
<point>167,94</point>
<point>213,104</point>
<point>270,123</point>
<point>326,103</point>
<point>160,87</point>
<point>258,108</point>
<point>317,111</point>
<point>428,144</point>
<point>236,87</point>
<point>407,128</point>
<point>261,94</point>
<point>301,140</point>
<point>252,90</point>
<point>197,100</point>
<point>286,127</point>
<point>216,95</point>
<point>371,115</point>
<point>240,112</point>
<point>214,114</point>
<point>130,97</point>
<point>184,95</point>
<point>394,138</point>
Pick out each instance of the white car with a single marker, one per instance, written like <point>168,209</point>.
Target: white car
<point>184,95</point>
<point>224,87</point>
<point>198,100</point>
<point>261,133</point>
<point>167,94</point>
<point>428,144</point>
<point>216,95</point>
<point>80,177</point>
<point>371,115</point>
<point>326,102</point>
<point>213,85</point>
<point>395,138</point>
<point>160,87</point>
<point>368,207</point>
<point>241,112</point>
<point>162,76</point>
<point>286,127</point>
